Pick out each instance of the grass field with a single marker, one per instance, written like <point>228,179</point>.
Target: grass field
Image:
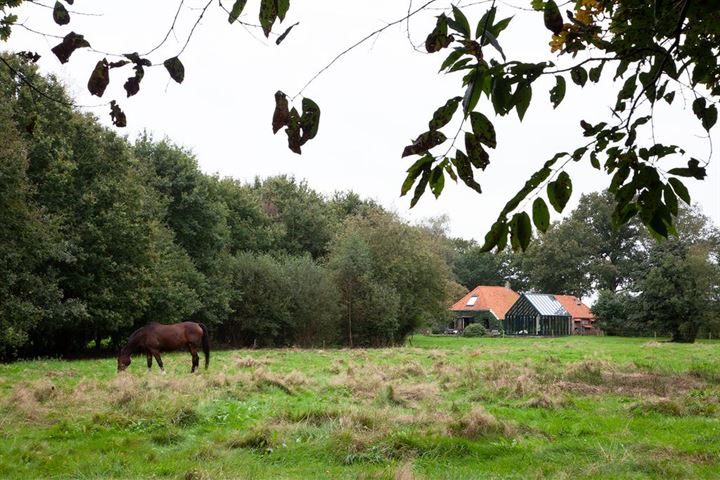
<point>593,407</point>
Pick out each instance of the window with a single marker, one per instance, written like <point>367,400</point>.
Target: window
<point>472,301</point>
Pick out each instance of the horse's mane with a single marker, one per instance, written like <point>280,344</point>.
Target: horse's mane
<point>133,341</point>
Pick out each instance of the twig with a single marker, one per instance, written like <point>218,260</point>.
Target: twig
<point>170,30</point>
<point>360,42</point>
<point>202,13</point>
<point>591,59</point>
<point>408,29</point>
<point>74,12</point>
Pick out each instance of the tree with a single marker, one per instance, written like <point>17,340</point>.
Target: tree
<point>671,298</point>
<point>303,213</point>
<point>392,279</point>
<point>613,252</point>
<point>28,291</point>
<point>615,312</point>
<point>558,262</point>
<point>584,253</point>
<point>651,43</point>
<point>677,281</point>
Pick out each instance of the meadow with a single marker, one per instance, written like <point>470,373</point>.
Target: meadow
<point>440,407</point>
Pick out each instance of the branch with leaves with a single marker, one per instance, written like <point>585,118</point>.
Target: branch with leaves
<point>650,43</point>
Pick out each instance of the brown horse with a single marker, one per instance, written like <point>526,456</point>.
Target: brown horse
<point>155,338</point>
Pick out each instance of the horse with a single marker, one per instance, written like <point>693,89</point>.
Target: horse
<point>156,337</point>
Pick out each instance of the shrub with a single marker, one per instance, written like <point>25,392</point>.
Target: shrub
<point>474,330</point>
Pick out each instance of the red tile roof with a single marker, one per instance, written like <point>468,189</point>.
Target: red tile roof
<point>497,299</point>
<point>575,306</point>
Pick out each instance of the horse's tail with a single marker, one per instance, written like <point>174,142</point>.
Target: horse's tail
<point>205,344</point>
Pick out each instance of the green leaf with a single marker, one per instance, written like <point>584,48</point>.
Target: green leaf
<point>578,154</point>
<point>420,188</point>
<point>310,120</point>
<point>483,129</point>
<point>487,19</point>
<point>477,155</point>
<point>559,191</point>
<point>493,41</point>
<point>619,178</point>
<point>465,171</point>
<point>451,172</point>
<point>499,27</point>
<point>60,14</point>
<point>452,58</point>
<point>444,114</point>
<point>492,238</point>
<point>551,16</point>
<point>579,76</point>
<point>522,98</point>
<point>236,10</point>
<point>424,163</point>
<point>698,107</point>
<point>99,78</point>
<point>461,24</point>
<point>557,93</point>
<point>541,215</point>
<point>461,65</point>
<point>175,68</point>
<point>523,230</point>
<point>268,14</point>
<point>595,72</point>
<point>501,97</point>
<point>282,8</point>
<point>670,199</point>
<point>437,180</point>
<point>472,95</point>
<point>680,190</point>
<point>628,89</point>
<point>693,170</point>
<point>709,117</point>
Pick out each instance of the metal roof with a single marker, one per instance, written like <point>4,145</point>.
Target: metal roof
<point>546,304</point>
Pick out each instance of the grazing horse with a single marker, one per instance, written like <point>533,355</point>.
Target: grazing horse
<point>156,337</point>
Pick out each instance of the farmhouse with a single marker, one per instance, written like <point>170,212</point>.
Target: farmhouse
<point>538,314</point>
<point>582,317</point>
<point>486,305</point>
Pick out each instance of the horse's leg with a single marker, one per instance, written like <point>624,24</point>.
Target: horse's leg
<point>195,358</point>
<point>149,361</point>
<point>156,354</point>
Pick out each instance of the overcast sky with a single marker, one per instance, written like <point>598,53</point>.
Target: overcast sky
<point>374,100</point>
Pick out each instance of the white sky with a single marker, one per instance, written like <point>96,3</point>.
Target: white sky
<point>374,100</point>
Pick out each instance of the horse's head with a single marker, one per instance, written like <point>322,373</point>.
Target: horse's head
<point>123,361</point>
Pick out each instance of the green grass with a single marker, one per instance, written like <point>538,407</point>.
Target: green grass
<point>442,407</point>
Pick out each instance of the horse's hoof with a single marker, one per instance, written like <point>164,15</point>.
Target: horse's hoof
<point>163,372</point>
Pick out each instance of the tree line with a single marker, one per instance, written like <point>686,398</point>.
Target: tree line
<point>100,235</point>
<point>643,286</point>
